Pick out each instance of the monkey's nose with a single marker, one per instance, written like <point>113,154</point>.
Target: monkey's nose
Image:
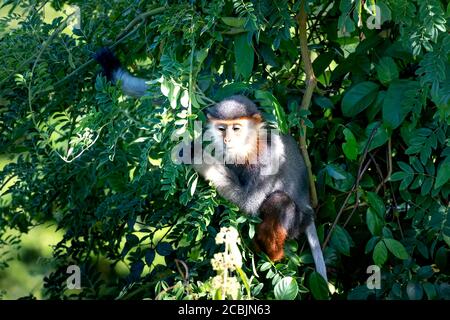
<point>226,140</point>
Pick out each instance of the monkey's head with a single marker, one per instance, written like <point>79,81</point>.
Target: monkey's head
<point>235,124</point>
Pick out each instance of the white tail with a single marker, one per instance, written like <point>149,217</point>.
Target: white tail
<point>132,86</point>
<point>316,250</point>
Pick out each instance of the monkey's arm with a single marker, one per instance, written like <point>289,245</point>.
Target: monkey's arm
<point>222,178</point>
<point>229,187</point>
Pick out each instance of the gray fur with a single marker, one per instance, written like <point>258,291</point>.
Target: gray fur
<point>290,177</point>
<point>232,108</point>
<point>132,86</point>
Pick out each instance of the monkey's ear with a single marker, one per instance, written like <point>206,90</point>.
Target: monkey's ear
<point>257,117</point>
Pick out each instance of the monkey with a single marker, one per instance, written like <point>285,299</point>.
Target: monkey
<point>264,175</point>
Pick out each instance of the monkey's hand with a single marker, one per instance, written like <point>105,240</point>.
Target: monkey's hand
<point>214,170</point>
<point>210,168</point>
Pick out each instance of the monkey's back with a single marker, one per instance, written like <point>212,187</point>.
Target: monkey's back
<point>293,178</point>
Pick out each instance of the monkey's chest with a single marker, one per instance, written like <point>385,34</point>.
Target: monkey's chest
<point>246,174</point>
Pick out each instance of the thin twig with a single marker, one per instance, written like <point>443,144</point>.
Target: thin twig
<point>140,19</point>
<point>185,275</point>
<point>380,174</point>
<point>355,187</point>
<point>389,160</point>
<point>356,206</point>
<point>5,183</point>
<point>185,279</point>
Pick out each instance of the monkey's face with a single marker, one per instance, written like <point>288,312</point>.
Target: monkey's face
<point>238,138</point>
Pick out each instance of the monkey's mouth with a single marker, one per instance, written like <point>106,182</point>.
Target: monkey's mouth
<point>230,147</point>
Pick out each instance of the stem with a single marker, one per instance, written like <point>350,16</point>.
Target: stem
<point>361,170</point>
<point>310,85</point>
<point>140,18</point>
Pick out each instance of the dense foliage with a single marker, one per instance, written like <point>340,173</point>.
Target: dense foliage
<point>97,164</point>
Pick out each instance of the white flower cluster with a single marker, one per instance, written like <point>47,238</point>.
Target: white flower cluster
<point>225,262</point>
<point>230,285</point>
<point>227,235</point>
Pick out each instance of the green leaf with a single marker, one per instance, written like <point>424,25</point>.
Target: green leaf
<point>446,239</point>
<point>194,186</point>
<point>387,70</point>
<point>350,146</point>
<point>286,289</point>
<point>414,290</point>
<point>443,174</point>
<point>173,96</point>
<point>358,98</point>
<point>136,269</point>
<point>132,239</point>
<point>268,55</point>
<point>321,63</point>
<point>257,289</point>
<point>425,272</point>
<point>164,248</point>
<point>406,181</point>
<point>359,293</point>
<point>244,280</point>
<point>149,256</point>
<point>267,99</point>
<point>270,274</point>
<point>370,245</point>
<point>323,102</point>
<point>166,87</point>
<point>318,286</point>
<point>440,257</point>
<point>346,24</point>
<point>251,231</point>
<point>396,248</point>
<point>230,89</point>
<point>374,222</point>
<point>244,55</point>
<point>394,110</point>
<point>335,172</point>
<point>265,266</point>
<point>397,176</point>
<point>430,290</point>
<point>426,186</point>
<point>405,167</point>
<point>340,241</point>
<point>380,253</point>
<point>376,203</point>
<point>233,21</point>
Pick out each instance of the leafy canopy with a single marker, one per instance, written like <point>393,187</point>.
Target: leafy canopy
<point>80,155</point>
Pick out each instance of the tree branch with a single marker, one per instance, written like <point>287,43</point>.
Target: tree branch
<point>310,81</point>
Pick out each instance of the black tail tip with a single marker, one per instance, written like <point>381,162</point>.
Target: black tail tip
<point>109,62</point>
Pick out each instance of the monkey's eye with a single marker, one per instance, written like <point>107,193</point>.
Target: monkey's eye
<point>221,128</point>
<point>236,128</point>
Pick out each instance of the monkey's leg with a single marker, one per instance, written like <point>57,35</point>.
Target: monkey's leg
<point>278,212</point>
